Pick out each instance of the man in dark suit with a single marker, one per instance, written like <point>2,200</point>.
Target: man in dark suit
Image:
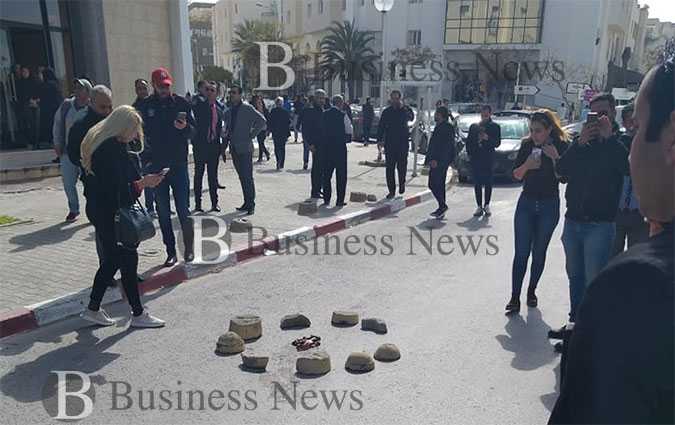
<point>280,126</point>
<point>393,134</point>
<point>314,132</point>
<point>207,144</point>
<point>368,117</point>
<point>337,126</point>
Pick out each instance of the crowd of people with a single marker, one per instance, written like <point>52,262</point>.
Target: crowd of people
<point>611,202</point>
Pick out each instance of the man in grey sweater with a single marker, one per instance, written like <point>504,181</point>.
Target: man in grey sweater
<point>243,123</point>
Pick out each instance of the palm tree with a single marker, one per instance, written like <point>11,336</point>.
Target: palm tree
<point>246,35</point>
<point>345,52</point>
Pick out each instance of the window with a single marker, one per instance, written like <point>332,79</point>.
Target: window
<point>493,21</point>
<point>320,7</point>
<point>288,17</point>
<point>414,38</point>
<point>236,9</point>
<point>205,51</point>
<point>363,2</point>
<point>309,9</point>
<point>344,4</point>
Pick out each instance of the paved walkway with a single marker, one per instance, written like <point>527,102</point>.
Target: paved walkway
<point>49,258</point>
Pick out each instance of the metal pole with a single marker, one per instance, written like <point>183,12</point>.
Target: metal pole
<point>417,133</point>
<point>518,82</point>
<point>384,67</point>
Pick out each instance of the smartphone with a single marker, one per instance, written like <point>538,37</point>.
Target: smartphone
<point>182,116</point>
<point>592,118</point>
<point>164,171</point>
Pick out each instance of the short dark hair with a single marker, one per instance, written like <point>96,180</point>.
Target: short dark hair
<point>661,99</point>
<point>200,84</point>
<point>604,97</point>
<point>397,92</point>
<point>486,107</point>
<point>237,88</point>
<point>627,110</point>
<point>141,80</point>
<point>444,112</point>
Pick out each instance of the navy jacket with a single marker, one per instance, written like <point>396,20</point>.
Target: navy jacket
<point>312,128</point>
<point>169,145</point>
<point>442,145</point>
<point>279,123</point>
<point>202,114</point>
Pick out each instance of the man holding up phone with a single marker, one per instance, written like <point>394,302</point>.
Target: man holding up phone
<point>594,166</point>
<point>168,123</point>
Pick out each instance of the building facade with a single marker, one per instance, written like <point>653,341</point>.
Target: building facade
<point>201,18</point>
<point>111,42</point>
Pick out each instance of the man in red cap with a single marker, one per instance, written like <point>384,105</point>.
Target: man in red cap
<point>168,125</point>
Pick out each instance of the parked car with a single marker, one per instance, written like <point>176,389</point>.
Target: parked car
<point>513,130</point>
<point>464,108</point>
<point>357,122</point>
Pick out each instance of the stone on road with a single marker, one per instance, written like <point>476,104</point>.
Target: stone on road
<point>254,361</point>
<point>378,326</point>
<point>359,362</point>
<point>387,353</point>
<point>345,318</point>
<point>229,343</point>
<point>247,326</point>
<point>295,321</point>
<point>313,363</point>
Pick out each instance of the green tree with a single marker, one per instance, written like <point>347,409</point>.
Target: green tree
<point>215,73</point>
<point>244,43</point>
<point>346,53</point>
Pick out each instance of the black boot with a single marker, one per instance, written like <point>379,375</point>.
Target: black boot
<point>198,206</point>
<point>513,306</point>
<point>531,298</point>
<point>188,240</point>
<point>171,260</point>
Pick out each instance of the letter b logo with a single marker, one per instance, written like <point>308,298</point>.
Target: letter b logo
<point>68,395</point>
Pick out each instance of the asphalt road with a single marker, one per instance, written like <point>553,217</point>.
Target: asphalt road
<point>462,360</point>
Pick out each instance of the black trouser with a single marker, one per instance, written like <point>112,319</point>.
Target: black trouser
<point>437,178</point>
<point>396,161</point>
<point>243,164</point>
<point>115,258</point>
<point>261,145</point>
<point>206,157</point>
<point>366,132</point>
<point>280,150</point>
<point>317,174</point>
<point>335,160</point>
<point>631,228</point>
<point>482,177</point>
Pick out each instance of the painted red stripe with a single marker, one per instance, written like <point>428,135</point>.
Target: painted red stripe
<point>255,250</point>
<point>333,226</point>
<point>413,200</point>
<point>380,212</point>
<point>159,280</point>
<point>17,320</point>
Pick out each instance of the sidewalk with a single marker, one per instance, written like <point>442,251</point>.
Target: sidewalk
<point>49,258</point>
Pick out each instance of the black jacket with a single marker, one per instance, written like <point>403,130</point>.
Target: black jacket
<point>77,133</point>
<point>393,129</point>
<point>203,114</point>
<point>109,186</point>
<point>333,122</point>
<point>483,152</point>
<point>169,145</point>
<point>619,370</point>
<point>279,123</point>
<point>595,178</point>
<point>312,129</point>
<point>442,145</point>
<point>368,113</point>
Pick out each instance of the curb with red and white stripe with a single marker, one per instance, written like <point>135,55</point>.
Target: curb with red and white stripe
<point>47,312</point>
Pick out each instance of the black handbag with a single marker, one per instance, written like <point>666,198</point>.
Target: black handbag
<point>133,225</point>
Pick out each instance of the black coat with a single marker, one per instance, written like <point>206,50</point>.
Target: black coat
<point>77,132</point>
<point>393,129</point>
<point>333,122</point>
<point>368,113</point>
<point>50,100</point>
<point>312,129</point>
<point>203,115</point>
<point>482,152</point>
<point>594,176</point>
<point>442,145</point>
<point>169,145</point>
<point>279,123</point>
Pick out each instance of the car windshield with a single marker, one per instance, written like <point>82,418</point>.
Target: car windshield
<point>465,108</point>
<point>513,129</point>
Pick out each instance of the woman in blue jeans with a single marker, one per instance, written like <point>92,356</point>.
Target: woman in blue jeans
<point>538,209</point>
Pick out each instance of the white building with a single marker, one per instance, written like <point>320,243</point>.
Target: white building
<point>656,36</point>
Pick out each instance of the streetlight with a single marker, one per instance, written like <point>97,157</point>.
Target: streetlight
<point>383,6</point>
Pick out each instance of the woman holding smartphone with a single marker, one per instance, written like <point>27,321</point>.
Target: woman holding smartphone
<point>113,182</point>
<point>538,209</point>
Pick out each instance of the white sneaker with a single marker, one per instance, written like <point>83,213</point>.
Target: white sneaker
<point>479,212</point>
<point>486,210</point>
<point>99,317</point>
<point>145,320</point>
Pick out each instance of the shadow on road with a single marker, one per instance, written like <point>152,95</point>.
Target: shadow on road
<point>52,235</point>
<point>527,340</point>
<point>475,223</point>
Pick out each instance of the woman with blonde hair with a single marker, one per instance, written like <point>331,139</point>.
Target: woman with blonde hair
<point>538,209</point>
<point>112,182</point>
